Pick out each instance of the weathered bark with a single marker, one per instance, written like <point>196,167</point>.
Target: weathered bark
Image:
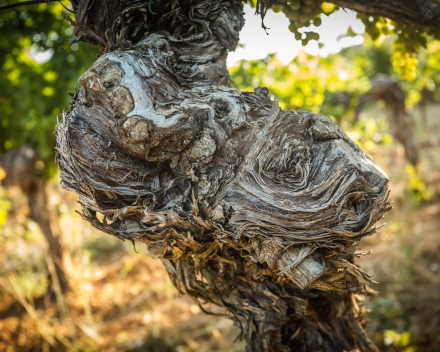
<point>389,90</point>
<point>21,171</point>
<point>251,208</point>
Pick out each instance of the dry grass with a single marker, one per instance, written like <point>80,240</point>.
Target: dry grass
<point>120,300</point>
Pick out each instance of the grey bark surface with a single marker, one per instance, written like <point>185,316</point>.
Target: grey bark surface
<point>250,208</point>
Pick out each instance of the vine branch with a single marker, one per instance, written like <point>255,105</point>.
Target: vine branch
<point>25,3</point>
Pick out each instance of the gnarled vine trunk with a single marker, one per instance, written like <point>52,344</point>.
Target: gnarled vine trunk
<point>251,208</point>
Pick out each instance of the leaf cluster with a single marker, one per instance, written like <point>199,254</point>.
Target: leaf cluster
<point>33,93</point>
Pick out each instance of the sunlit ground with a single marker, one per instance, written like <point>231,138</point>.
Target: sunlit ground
<point>121,300</point>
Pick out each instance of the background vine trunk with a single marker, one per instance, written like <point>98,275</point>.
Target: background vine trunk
<point>22,170</point>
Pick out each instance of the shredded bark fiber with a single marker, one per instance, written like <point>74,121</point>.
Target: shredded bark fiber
<point>249,207</point>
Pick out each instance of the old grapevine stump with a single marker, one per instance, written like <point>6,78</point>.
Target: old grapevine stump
<point>249,207</point>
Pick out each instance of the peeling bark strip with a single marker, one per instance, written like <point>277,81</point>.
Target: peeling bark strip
<point>249,207</point>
